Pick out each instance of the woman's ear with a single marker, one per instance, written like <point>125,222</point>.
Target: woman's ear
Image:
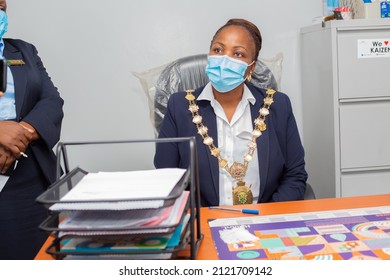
<point>253,66</point>
<point>252,69</point>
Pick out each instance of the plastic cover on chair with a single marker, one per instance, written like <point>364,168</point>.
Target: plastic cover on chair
<point>189,73</point>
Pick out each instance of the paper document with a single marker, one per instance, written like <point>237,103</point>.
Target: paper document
<point>117,205</point>
<point>115,244</point>
<point>112,219</point>
<point>3,181</point>
<point>123,222</point>
<point>128,190</point>
<point>345,234</point>
<point>125,185</point>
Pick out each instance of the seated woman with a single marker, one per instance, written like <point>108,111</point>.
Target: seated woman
<point>248,145</point>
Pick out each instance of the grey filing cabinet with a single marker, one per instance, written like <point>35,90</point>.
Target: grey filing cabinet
<point>346,107</point>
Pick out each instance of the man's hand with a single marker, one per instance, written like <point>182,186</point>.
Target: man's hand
<point>14,138</point>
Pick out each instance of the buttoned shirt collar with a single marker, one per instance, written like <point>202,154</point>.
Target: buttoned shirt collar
<point>207,94</point>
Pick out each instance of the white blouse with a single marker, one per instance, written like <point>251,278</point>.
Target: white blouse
<point>233,139</point>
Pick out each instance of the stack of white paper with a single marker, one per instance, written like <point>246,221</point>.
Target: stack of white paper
<point>121,190</point>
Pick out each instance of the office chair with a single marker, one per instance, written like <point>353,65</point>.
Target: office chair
<point>309,192</point>
<point>189,73</point>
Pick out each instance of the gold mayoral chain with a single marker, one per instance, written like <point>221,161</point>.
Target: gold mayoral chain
<point>242,194</point>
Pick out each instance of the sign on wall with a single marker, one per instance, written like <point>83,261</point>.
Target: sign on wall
<point>370,48</point>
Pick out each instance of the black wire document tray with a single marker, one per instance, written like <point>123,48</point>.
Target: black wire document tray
<point>52,198</point>
<point>159,241</point>
<point>117,247</point>
<point>119,222</point>
<point>126,217</point>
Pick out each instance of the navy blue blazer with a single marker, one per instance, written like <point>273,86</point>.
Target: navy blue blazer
<point>37,102</point>
<point>280,151</point>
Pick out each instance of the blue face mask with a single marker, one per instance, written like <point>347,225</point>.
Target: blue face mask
<point>225,73</point>
<point>3,23</point>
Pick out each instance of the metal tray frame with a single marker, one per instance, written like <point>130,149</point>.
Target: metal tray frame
<point>192,236</point>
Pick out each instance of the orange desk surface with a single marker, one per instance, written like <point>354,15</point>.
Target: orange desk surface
<point>207,250</point>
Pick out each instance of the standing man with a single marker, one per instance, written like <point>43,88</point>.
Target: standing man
<point>30,124</point>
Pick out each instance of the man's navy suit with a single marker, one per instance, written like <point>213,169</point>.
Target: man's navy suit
<point>280,152</point>
<point>38,103</point>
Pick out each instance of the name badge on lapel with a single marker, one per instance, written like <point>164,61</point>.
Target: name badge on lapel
<point>15,62</point>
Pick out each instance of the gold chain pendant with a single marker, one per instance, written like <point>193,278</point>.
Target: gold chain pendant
<point>237,170</point>
<point>242,194</point>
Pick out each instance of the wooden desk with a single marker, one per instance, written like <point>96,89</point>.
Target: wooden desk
<point>207,250</point>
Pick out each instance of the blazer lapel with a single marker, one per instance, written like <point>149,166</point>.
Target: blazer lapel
<point>262,141</point>
<point>18,73</point>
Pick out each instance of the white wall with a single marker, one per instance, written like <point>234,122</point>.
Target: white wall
<point>90,48</point>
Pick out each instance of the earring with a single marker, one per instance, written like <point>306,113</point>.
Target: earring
<point>249,79</point>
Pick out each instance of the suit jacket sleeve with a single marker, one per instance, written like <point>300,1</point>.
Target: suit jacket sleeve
<point>38,103</point>
<point>46,115</point>
<point>167,154</point>
<point>292,182</point>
